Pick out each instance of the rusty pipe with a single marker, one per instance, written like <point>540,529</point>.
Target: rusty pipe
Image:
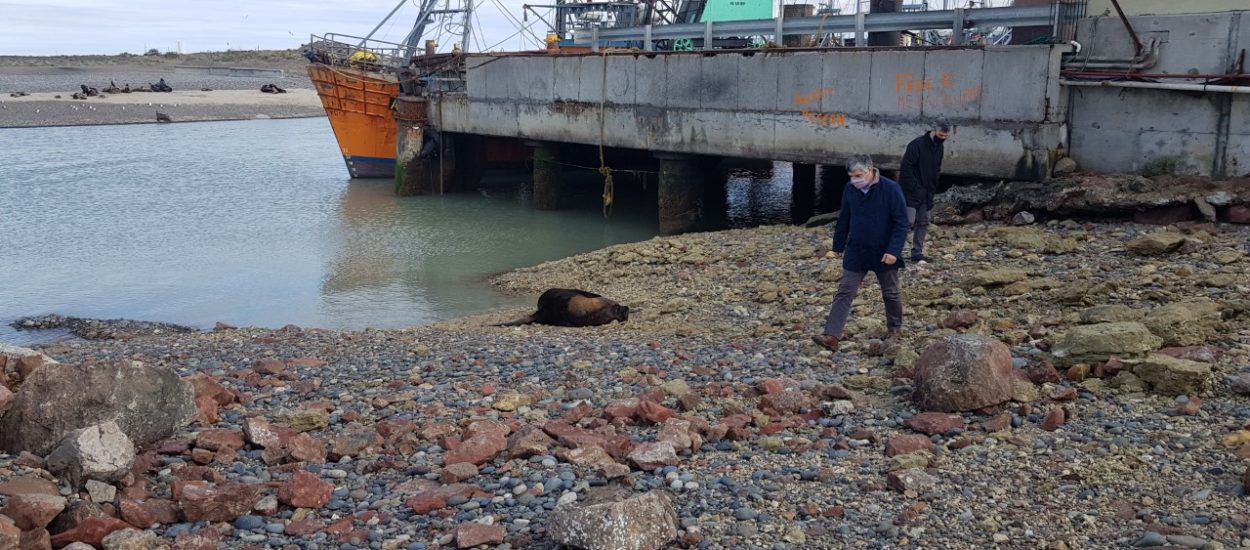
<point>1129,26</point>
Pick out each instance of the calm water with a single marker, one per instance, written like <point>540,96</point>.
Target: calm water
<point>255,223</point>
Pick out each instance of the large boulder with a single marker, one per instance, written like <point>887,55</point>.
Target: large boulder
<point>1115,313</point>
<point>963,373</point>
<point>1171,376</point>
<point>100,452</point>
<point>1189,323</point>
<point>994,277</point>
<point>148,403</point>
<point>1155,244</point>
<point>612,520</point>
<point>1099,342</point>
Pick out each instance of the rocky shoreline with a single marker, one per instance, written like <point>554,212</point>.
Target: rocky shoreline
<point>1128,379</point>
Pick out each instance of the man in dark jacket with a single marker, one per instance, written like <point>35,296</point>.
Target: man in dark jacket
<point>922,163</point>
<point>869,235</point>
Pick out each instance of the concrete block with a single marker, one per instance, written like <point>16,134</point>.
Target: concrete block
<point>501,80</point>
<point>590,90</point>
<point>622,82</point>
<point>568,78</point>
<point>799,74</point>
<point>685,81</point>
<point>536,78</point>
<point>897,83</point>
<point>745,134</point>
<point>1017,97</point>
<point>1195,43</point>
<point>845,87</point>
<point>720,81</point>
<point>759,93</point>
<point>799,140</point>
<point>493,118</point>
<point>475,77</point>
<point>652,77</point>
<point>954,85</point>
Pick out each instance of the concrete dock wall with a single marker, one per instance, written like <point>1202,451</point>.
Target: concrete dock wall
<point>1135,130</point>
<point>798,106</point>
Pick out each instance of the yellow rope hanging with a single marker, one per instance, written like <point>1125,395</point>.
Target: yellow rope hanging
<point>606,172</point>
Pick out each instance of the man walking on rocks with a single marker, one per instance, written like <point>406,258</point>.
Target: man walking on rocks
<point>869,235</point>
<point>918,174</point>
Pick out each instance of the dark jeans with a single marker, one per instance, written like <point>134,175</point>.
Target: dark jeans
<point>918,217</point>
<point>849,288</point>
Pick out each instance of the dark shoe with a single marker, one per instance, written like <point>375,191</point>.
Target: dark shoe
<point>825,341</point>
<point>919,259</point>
<point>893,334</point>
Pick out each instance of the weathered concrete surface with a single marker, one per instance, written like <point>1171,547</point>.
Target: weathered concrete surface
<point>806,106</point>
<point>1162,131</point>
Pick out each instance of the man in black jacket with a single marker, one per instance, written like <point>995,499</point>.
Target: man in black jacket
<point>922,163</point>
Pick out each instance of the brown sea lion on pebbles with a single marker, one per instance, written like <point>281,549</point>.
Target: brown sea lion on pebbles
<point>565,307</point>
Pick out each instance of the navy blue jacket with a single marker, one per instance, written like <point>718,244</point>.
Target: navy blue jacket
<point>870,225</point>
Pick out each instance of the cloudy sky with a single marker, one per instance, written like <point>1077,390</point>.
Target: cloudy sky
<point>49,27</point>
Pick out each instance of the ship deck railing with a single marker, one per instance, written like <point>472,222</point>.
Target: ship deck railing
<point>343,50</point>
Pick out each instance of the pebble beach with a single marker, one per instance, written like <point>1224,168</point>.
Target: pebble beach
<point>461,434</point>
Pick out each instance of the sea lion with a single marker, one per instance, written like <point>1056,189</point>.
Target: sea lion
<point>162,117</point>
<point>564,307</point>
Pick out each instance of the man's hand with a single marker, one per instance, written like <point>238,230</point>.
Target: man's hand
<point>833,254</point>
<point>888,259</point>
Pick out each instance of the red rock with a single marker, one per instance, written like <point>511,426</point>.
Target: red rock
<point>305,362</point>
<point>998,423</point>
<point>689,402</point>
<point>10,535</point>
<point>963,373</point>
<point>1239,214</point>
<point>203,456</point>
<point>590,455</point>
<point>218,440</point>
<point>622,408</point>
<point>91,531</point>
<point>1201,354</point>
<point>472,534</point>
<point>135,514</point>
<point>678,432</point>
<point>206,386</point>
<point>37,539</point>
<point>654,395</point>
<point>163,511</point>
<point>270,367</point>
<point>201,501</point>
<point>427,502</point>
<point>1063,394</point>
<point>1042,373</point>
<point>905,444</point>
<point>960,319</point>
<point>786,402</point>
<point>456,473</point>
<point>571,436</point>
<point>770,386</point>
<point>306,448</point>
<point>618,446</point>
<point>75,513</point>
<point>305,490</point>
<point>303,527</point>
<point>529,441</point>
<point>910,480</point>
<point>1190,408</point>
<point>650,456</point>
<point>6,398</point>
<point>354,441</point>
<point>33,511</point>
<point>206,411</point>
<point>579,411</point>
<point>1053,420</point>
<point>933,423</point>
<point>477,450</point>
<point>27,365</point>
<point>26,459</point>
<point>486,427</point>
<point>437,430</point>
<point>654,413</point>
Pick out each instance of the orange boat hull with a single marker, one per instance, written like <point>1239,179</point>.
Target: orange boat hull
<point>358,104</point>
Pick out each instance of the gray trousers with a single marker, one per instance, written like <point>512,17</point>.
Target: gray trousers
<point>918,217</point>
<point>849,288</point>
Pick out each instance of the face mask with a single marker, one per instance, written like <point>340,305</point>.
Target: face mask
<point>859,183</point>
<point>939,139</point>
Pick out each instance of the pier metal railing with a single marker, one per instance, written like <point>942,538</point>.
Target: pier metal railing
<point>861,24</point>
<point>342,49</point>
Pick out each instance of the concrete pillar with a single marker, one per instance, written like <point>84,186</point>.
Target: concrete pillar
<point>413,175</point>
<point>680,194</point>
<point>833,180</point>
<point>547,176</point>
<point>802,192</point>
<point>791,11</point>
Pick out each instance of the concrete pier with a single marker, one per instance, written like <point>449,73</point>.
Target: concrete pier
<point>680,193</point>
<point>802,192</point>
<point>547,175</point>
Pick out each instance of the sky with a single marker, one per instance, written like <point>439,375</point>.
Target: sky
<point>77,27</point>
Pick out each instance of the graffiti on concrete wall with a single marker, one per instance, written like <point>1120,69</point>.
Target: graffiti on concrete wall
<point>944,91</point>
